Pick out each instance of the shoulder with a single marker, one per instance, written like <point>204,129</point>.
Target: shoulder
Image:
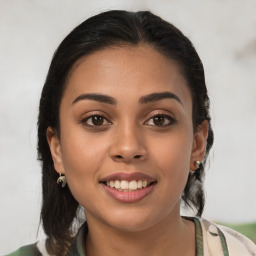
<point>37,249</point>
<point>220,238</point>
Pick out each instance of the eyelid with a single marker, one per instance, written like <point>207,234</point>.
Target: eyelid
<point>165,114</point>
<point>157,112</point>
<point>91,114</point>
<point>95,113</point>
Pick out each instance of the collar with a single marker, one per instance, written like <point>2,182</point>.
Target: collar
<point>78,246</point>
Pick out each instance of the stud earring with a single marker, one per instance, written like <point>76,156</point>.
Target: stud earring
<point>62,181</point>
<point>198,163</point>
<point>197,171</point>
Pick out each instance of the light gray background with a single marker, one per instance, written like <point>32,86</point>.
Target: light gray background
<point>224,34</point>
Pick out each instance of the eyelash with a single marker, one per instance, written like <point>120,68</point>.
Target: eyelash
<point>105,122</point>
<point>169,118</point>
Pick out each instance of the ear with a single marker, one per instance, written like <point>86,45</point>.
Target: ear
<point>55,148</point>
<point>199,145</point>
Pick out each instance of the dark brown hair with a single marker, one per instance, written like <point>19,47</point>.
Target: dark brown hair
<point>59,208</point>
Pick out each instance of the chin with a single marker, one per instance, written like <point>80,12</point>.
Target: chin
<point>132,226</point>
<point>132,221</point>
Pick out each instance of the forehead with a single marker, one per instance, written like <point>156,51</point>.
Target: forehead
<point>126,70</point>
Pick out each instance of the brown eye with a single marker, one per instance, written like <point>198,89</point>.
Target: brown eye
<point>95,120</point>
<point>160,120</point>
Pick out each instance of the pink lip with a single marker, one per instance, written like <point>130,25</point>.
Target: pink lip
<point>128,177</point>
<point>129,197</point>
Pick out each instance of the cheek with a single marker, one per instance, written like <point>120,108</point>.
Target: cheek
<point>172,155</point>
<point>82,164</point>
<point>174,149</point>
<point>79,146</point>
<point>82,158</point>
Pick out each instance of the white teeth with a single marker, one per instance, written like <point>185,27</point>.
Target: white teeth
<point>117,184</point>
<point>126,186</point>
<point>112,184</point>
<point>139,184</point>
<point>144,183</point>
<point>133,185</point>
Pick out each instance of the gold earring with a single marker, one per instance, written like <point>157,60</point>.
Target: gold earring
<point>62,181</point>
<point>198,170</point>
<point>198,163</point>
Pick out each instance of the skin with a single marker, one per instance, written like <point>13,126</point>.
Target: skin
<point>129,140</point>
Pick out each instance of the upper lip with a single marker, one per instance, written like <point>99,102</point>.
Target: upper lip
<point>128,177</point>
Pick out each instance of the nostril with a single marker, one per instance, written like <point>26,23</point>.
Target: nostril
<point>119,156</point>
<point>137,156</point>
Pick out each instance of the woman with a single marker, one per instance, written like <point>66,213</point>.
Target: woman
<point>124,128</point>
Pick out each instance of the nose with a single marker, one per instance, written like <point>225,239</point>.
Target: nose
<point>128,145</point>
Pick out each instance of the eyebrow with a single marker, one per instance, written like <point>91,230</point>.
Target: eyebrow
<point>153,97</point>
<point>96,97</point>
<point>159,96</point>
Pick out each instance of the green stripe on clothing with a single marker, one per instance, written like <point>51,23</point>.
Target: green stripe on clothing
<point>199,238</point>
<point>223,243</point>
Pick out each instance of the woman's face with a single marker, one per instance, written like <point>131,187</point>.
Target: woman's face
<point>126,143</point>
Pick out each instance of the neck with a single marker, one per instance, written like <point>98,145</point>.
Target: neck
<point>165,238</point>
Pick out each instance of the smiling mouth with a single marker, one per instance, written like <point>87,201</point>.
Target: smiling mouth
<point>128,186</point>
